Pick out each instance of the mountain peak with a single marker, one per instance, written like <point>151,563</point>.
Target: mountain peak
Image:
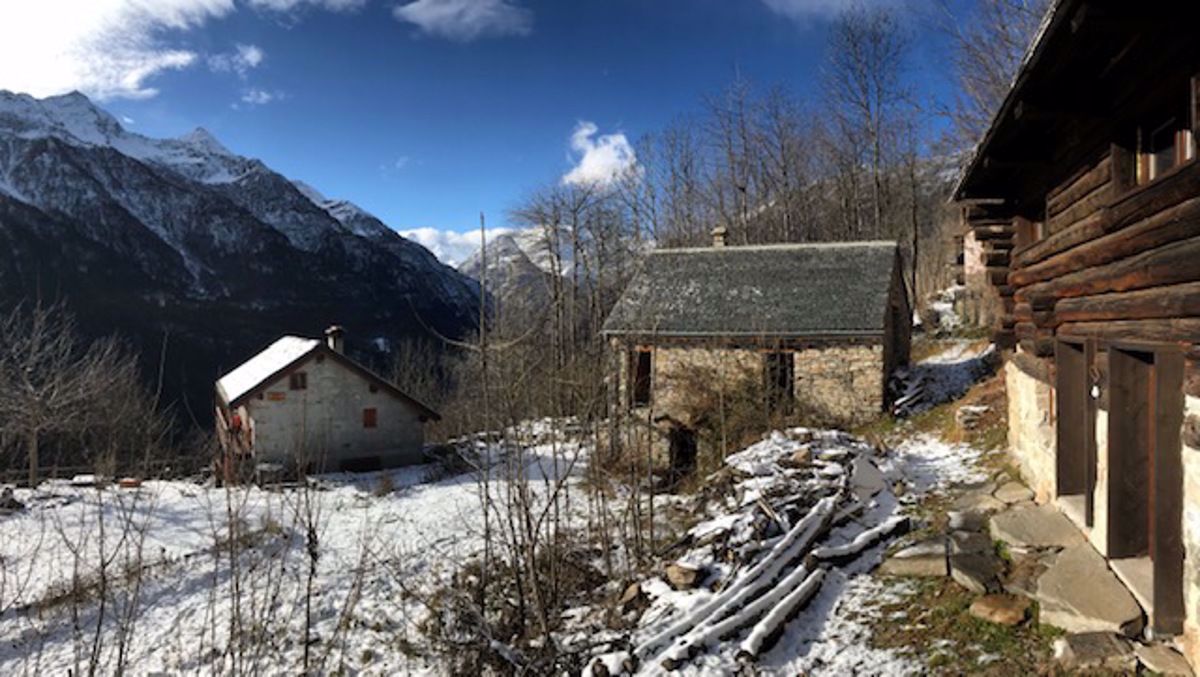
<point>203,138</point>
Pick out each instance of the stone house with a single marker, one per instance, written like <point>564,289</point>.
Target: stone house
<point>302,402</point>
<point>1088,181</point>
<point>816,328</point>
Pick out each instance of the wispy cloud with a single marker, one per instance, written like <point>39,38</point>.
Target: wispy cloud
<point>241,60</point>
<point>401,162</point>
<point>801,10</point>
<point>467,20</point>
<point>599,159</point>
<point>255,96</point>
<point>451,247</point>
<point>291,5</point>
<point>106,48</point>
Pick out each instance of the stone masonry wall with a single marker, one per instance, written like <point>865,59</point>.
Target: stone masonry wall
<point>839,384</point>
<point>1031,429</point>
<point>1191,542</point>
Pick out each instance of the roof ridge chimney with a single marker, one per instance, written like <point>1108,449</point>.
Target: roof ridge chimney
<point>718,236</point>
<point>335,337</point>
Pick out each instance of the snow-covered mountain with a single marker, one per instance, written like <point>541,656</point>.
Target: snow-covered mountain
<point>182,236</point>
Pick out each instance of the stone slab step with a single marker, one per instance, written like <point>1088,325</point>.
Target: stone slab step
<point>1079,593</point>
<point>1039,526</point>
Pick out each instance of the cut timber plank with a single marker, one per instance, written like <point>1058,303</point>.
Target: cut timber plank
<point>1075,189</point>
<point>1138,204</point>
<point>1180,300</point>
<point>1092,203</point>
<point>997,276</point>
<point>1177,223</point>
<point>1170,264</point>
<point>993,232</point>
<point>1171,330</point>
<point>1038,341</point>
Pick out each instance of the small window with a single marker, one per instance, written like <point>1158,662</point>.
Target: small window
<point>370,417</point>
<point>1162,147</point>
<point>298,380</point>
<point>779,374</point>
<point>641,364</point>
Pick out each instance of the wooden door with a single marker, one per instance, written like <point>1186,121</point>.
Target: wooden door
<point>1075,429</point>
<point>1145,506</point>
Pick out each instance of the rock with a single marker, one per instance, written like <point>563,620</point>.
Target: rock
<point>1024,573</point>
<point>1000,609</point>
<point>866,479</point>
<point>1163,660</point>
<point>977,573</point>
<point>970,543</point>
<point>799,458</point>
<point>129,483</point>
<point>967,417</point>
<point>683,576</point>
<point>966,520</point>
<point>1095,651</point>
<point>1079,594</point>
<point>632,598</point>
<point>1040,526</point>
<point>932,547</point>
<point>8,502</point>
<point>926,566</point>
<point>977,502</point>
<point>1013,492</point>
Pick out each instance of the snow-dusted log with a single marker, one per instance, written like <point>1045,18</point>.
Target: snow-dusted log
<point>763,573</point>
<point>840,554</point>
<point>766,632</point>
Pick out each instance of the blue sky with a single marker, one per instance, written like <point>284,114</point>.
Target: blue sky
<point>424,112</point>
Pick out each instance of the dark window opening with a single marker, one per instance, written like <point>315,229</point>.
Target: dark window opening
<point>779,370</point>
<point>1163,146</point>
<point>373,388</point>
<point>641,366</point>
<point>370,417</point>
<point>298,381</point>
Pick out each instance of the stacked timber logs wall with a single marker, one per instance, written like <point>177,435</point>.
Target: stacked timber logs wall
<point>992,236</point>
<point>1106,263</point>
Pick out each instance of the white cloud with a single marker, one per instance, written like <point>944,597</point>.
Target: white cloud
<point>241,60</point>
<point>105,48</point>
<point>600,159</point>
<point>451,247</point>
<point>802,10</point>
<point>258,97</point>
<point>401,162</point>
<point>290,5</point>
<point>467,20</point>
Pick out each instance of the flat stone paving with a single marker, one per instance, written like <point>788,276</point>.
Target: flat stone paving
<point>1039,526</point>
<point>1079,593</point>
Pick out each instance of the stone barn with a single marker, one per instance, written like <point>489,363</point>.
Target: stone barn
<point>302,402</point>
<point>1087,190</point>
<point>815,329</point>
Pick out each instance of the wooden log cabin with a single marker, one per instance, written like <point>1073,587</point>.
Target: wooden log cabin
<point>1087,188</point>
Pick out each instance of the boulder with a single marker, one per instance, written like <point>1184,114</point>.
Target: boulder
<point>1095,651</point>
<point>925,566</point>
<point>978,502</point>
<point>1162,660</point>
<point>8,502</point>
<point>683,576</point>
<point>966,520</point>
<point>979,573</point>
<point>799,458</point>
<point>1013,492</point>
<point>1001,609</point>
<point>931,547</point>
<point>866,479</point>
<point>970,543</point>
<point>1039,526</point>
<point>1079,593</point>
<point>632,598</point>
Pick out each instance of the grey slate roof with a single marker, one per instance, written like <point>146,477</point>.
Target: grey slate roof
<point>826,289</point>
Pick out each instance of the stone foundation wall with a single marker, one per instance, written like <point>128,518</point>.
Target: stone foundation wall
<point>1031,429</point>
<point>840,384</point>
<point>1191,542</point>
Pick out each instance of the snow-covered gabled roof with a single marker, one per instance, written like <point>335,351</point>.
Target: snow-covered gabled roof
<point>263,368</point>
<point>253,372</point>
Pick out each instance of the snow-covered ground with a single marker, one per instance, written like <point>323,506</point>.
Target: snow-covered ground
<point>385,541</point>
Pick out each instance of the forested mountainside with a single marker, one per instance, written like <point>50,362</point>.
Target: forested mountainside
<point>195,254</point>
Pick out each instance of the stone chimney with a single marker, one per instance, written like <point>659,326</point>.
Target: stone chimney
<point>718,235</point>
<point>335,338</point>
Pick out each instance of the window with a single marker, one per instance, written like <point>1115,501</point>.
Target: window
<point>779,374</point>
<point>1162,147</point>
<point>298,380</point>
<point>641,362</point>
<point>373,388</point>
<point>370,417</point>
